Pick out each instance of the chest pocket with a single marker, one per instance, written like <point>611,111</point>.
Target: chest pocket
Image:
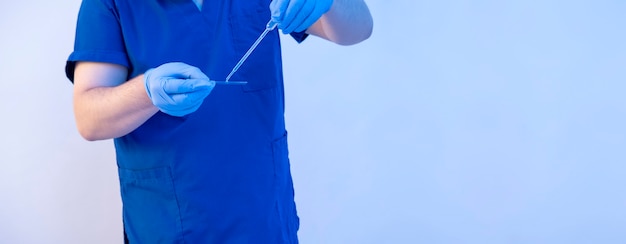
<point>262,69</point>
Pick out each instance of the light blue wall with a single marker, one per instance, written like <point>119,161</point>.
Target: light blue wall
<point>464,122</point>
<point>457,122</point>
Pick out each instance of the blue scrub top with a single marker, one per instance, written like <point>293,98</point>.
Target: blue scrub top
<point>221,174</point>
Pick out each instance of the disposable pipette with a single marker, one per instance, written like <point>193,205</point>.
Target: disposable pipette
<point>269,27</point>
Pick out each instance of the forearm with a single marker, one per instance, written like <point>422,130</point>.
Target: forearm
<point>346,23</point>
<point>105,112</point>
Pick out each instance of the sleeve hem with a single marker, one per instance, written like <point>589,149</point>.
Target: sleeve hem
<point>299,36</point>
<point>94,56</point>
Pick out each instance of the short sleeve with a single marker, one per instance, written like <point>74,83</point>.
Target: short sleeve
<point>299,36</point>
<point>98,36</point>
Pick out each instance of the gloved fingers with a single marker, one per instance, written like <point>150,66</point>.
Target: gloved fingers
<point>315,14</point>
<point>191,72</point>
<point>160,98</point>
<point>188,100</point>
<point>181,104</point>
<point>176,86</point>
<point>171,70</point>
<point>290,13</point>
<point>184,103</point>
<point>278,7</point>
<point>177,70</point>
<point>305,12</point>
<point>180,111</point>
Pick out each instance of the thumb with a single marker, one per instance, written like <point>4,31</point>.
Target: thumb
<point>176,86</point>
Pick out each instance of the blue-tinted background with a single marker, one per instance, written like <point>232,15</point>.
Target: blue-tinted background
<point>456,122</point>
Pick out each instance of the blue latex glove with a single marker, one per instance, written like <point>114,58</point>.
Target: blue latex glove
<point>298,15</point>
<point>177,89</point>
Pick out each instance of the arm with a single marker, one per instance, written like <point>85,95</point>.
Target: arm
<point>347,22</point>
<point>105,104</point>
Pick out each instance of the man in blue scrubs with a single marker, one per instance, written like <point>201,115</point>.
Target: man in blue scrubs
<point>198,163</point>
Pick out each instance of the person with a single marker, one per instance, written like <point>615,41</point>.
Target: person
<point>198,162</point>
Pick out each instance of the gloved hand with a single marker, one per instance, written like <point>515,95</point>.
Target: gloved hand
<point>298,15</point>
<point>177,89</point>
